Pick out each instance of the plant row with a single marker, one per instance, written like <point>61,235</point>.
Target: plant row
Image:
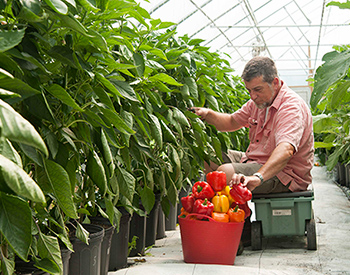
<point>94,116</point>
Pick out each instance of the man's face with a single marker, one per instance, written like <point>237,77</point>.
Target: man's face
<point>261,92</point>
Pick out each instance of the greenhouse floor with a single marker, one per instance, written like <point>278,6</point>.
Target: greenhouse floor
<point>279,255</point>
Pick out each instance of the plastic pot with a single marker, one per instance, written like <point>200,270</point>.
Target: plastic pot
<point>138,229</point>
<point>161,224</point>
<point>86,259</point>
<point>152,223</point>
<point>170,221</point>
<point>65,255</point>
<point>106,242</point>
<point>120,243</point>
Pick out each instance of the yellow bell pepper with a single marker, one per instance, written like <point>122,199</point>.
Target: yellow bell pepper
<point>221,203</point>
<point>226,192</point>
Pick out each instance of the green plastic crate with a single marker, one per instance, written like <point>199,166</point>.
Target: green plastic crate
<point>284,216</point>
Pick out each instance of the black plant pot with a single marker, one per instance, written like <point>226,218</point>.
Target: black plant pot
<point>65,255</point>
<point>152,223</point>
<point>170,221</point>
<point>86,259</point>
<point>27,268</point>
<point>106,242</point>
<point>341,176</point>
<point>120,243</point>
<point>138,229</point>
<point>160,225</point>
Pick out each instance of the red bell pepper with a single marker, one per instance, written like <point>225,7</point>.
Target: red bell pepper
<point>217,180</point>
<point>202,190</point>
<point>187,203</point>
<point>240,193</point>
<point>203,207</point>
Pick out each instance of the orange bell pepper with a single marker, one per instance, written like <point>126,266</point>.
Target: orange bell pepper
<point>221,203</point>
<point>220,217</point>
<point>226,192</point>
<point>236,214</point>
<point>183,213</point>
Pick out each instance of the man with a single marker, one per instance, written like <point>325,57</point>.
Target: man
<point>281,152</point>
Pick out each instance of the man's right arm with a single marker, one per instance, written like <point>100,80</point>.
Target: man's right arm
<point>223,122</point>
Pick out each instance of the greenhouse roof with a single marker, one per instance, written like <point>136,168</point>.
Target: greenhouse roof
<point>295,33</point>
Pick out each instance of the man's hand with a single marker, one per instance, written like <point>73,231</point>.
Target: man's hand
<point>251,182</point>
<point>222,121</point>
<point>201,112</point>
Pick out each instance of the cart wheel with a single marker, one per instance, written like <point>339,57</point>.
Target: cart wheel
<point>311,234</point>
<point>256,235</point>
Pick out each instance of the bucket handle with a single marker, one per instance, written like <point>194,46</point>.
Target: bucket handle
<point>201,216</point>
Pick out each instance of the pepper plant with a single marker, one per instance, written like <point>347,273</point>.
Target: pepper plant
<point>107,88</point>
<point>330,104</point>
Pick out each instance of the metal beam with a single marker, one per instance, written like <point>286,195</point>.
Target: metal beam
<point>256,25</point>
<point>280,26</point>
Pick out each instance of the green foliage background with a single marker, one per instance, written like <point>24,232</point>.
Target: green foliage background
<point>94,116</point>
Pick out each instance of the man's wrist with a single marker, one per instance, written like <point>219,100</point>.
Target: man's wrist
<point>259,176</point>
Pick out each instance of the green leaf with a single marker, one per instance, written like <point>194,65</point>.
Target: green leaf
<point>58,6</point>
<point>7,266</point>
<point>19,87</point>
<point>192,85</point>
<point>126,183</point>
<point>327,145</point>
<point>175,162</point>
<point>71,22</point>
<point>162,77</point>
<point>325,124</point>
<point>339,94</point>
<point>16,224</point>
<point>139,62</point>
<point>88,5</point>
<point>57,182</point>
<point>9,152</point>
<point>96,171</point>
<point>60,93</point>
<point>180,117</point>
<point>14,177</point>
<point>16,128</point>
<point>82,234</point>
<point>125,90</point>
<point>156,130</point>
<point>335,68</point>
<point>333,158</point>
<point>168,134</point>
<point>147,198</point>
<point>117,121</point>
<point>105,82</point>
<point>49,248</point>
<point>159,53</point>
<point>10,39</point>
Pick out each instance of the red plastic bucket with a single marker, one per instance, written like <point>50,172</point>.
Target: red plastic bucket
<point>209,242</point>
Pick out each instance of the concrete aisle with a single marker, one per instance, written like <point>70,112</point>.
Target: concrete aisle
<point>279,256</point>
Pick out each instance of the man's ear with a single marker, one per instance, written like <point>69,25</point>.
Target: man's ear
<point>276,83</point>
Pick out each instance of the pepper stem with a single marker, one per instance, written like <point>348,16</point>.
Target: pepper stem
<point>235,209</point>
<point>199,188</point>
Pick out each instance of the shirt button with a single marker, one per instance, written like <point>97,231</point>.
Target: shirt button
<point>257,140</point>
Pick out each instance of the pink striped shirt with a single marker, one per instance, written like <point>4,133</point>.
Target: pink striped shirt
<point>288,120</point>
